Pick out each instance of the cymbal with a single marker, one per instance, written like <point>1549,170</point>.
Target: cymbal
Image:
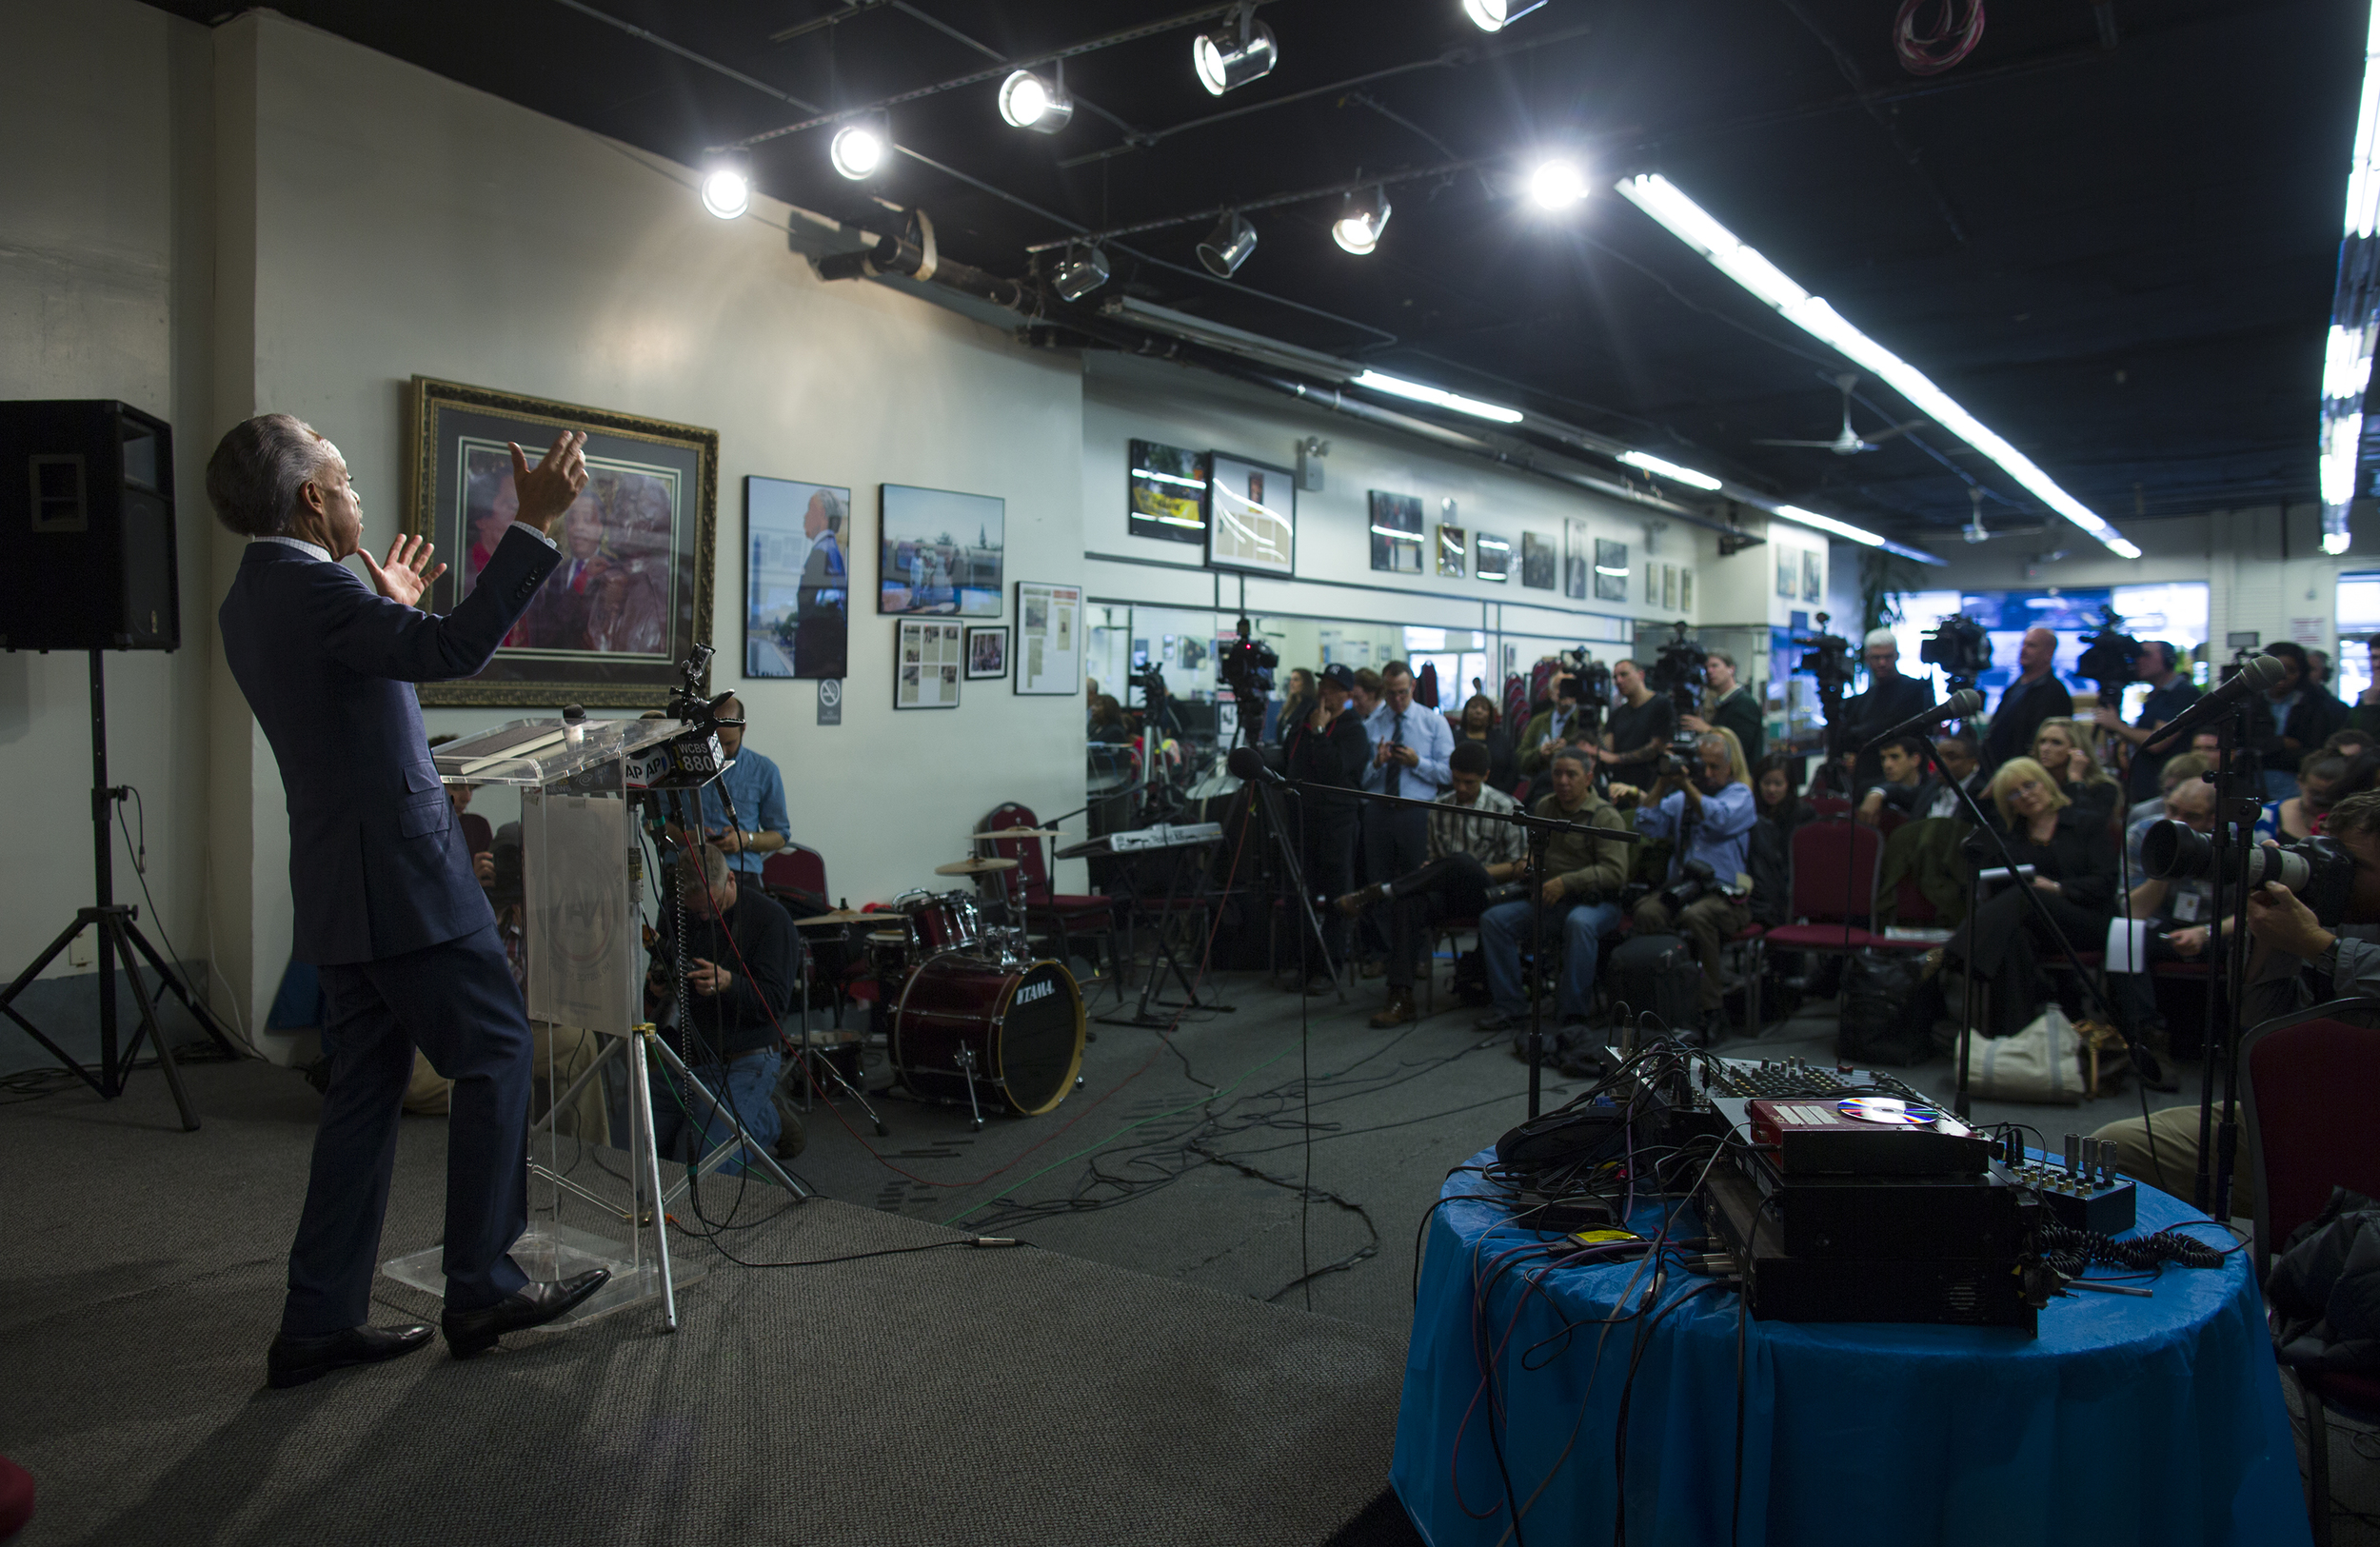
<point>1019,832</point>
<point>840,916</point>
<point>979,866</point>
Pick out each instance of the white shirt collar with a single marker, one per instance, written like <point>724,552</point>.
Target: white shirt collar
<point>312,550</point>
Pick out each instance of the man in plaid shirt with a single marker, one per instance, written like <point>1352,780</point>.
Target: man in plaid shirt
<point>1469,852</point>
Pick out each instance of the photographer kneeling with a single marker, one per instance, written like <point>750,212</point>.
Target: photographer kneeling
<point>2300,960</point>
<point>1709,813</point>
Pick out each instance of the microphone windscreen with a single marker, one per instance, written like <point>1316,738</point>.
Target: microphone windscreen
<point>1245,763</point>
<point>2267,671</point>
<point>1967,702</point>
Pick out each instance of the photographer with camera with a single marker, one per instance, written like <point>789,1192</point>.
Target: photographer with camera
<point>2034,696</point>
<point>1328,746</point>
<point>2170,693</point>
<point>1729,705</point>
<point>1708,813</point>
<point>1638,731</point>
<point>1890,698</point>
<point>1583,876</point>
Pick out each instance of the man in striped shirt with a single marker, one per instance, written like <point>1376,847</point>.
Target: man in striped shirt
<point>1468,851</point>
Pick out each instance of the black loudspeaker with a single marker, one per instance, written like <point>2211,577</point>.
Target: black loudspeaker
<point>87,559</point>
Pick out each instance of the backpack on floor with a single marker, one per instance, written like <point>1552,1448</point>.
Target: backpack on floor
<point>1659,975</point>
<point>1470,983</point>
<point>1887,1011</point>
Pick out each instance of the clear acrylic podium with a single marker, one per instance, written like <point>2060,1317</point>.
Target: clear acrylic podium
<point>582,873</point>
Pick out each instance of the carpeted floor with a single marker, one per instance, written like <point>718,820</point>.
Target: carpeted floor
<point>943,1397</point>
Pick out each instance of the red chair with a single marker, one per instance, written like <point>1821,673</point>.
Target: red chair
<point>1064,914</point>
<point>2315,1077</point>
<point>1835,868</point>
<point>1829,805</point>
<point>794,868</point>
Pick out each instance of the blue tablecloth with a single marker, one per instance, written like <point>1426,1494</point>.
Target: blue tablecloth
<point>2157,1422</point>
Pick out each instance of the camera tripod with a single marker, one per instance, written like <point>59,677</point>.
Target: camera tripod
<point>120,937</point>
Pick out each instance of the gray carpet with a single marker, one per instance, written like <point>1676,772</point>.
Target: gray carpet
<point>952,1395</point>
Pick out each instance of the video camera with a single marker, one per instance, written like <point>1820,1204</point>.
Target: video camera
<point>2108,658</point>
<point>1246,664</point>
<point>1827,657</point>
<point>2318,869</point>
<point>1583,681</point>
<point>693,757</point>
<point>1961,647</point>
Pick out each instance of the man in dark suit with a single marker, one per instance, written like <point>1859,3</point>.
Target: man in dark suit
<point>386,903</point>
<point>1890,698</point>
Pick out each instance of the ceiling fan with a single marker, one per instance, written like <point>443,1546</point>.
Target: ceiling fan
<point>1849,444</point>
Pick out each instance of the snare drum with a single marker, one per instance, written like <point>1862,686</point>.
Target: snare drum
<point>890,953</point>
<point>1022,1023</point>
<point>942,922</point>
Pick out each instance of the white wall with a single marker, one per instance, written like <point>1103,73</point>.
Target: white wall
<point>105,274</point>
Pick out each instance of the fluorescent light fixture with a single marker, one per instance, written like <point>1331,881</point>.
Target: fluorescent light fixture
<point>857,148</point>
<point>1828,523</point>
<point>2347,361</point>
<point>1557,185</point>
<point>1027,101</point>
<point>1669,470</point>
<point>1691,223</point>
<point>1362,215</point>
<point>1439,398</point>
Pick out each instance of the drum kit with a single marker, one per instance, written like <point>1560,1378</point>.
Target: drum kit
<point>970,1014</point>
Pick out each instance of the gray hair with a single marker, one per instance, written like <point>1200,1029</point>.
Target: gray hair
<point>708,871</point>
<point>258,467</point>
<point>1571,754</point>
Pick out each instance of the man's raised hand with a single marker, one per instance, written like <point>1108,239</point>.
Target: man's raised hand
<point>547,490</point>
<point>404,574</point>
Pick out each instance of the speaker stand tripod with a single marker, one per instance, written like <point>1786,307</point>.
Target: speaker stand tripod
<point>120,937</point>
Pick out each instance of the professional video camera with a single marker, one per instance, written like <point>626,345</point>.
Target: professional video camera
<point>1585,682</point>
<point>1150,680</point>
<point>1828,657</point>
<point>2318,869</point>
<point>2108,657</point>
<point>693,757</point>
<point>1246,666</point>
<point>1678,671</point>
<point>1961,647</point>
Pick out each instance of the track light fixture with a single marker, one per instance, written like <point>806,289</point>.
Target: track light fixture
<point>1084,270</point>
<point>1495,16</point>
<point>860,147</point>
<point>1557,184</point>
<point>1227,247</point>
<point>1362,215</point>
<point>1235,54</point>
<point>727,185</point>
<point>1027,101</point>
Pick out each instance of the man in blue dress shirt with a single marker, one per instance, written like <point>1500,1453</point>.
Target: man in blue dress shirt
<point>762,825</point>
<point>1709,816</point>
<point>1410,746</point>
<point>385,901</point>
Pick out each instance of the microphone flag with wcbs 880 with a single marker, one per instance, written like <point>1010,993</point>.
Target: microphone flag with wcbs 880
<point>1957,707</point>
<point>2259,675</point>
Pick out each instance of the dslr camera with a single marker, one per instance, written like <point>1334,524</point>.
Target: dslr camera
<point>1692,880</point>
<point>2319,870</point>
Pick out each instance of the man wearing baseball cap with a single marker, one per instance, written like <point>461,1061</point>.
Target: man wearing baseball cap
<point>1327,746</point>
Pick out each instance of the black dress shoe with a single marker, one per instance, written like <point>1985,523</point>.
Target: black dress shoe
<point>531,1305</point>
<point>293,1361</point>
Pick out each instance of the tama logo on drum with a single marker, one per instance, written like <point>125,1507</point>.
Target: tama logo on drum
<point>1033,991</point>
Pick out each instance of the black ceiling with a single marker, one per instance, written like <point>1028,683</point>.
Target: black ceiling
<point>2121,257</point>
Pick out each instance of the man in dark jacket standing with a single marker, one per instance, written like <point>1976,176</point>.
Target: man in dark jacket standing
<point>2034,696</point>
<point>385,901</point>
<point>1891,698</point>
<point>1328,746</point>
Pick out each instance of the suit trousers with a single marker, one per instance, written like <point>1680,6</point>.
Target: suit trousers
<point>1451,886</point>
<point>457,1002</point>
<point>1396,842</point>
<point>1327,857</point>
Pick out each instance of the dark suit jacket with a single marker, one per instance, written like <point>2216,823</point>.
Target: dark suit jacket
<point>377,867</point>
<point>2020,714</point>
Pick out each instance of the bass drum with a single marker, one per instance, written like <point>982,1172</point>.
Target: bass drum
<point>1019,1025</point>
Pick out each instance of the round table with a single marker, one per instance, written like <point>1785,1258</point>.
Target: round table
<point>2150,1420</point>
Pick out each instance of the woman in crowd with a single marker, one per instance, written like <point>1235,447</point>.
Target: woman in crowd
<point>2073,861</point>
<point>1777,800</point>
<point>1107,719</point>
<point>1478,724</point>
<point>2324,780</point>
<point>2060,746</point>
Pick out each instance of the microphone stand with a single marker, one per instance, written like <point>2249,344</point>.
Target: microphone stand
<point>1540,831</point>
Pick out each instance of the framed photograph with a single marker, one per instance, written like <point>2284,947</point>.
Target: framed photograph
<point>1453,547</point>
<point>1669,587</point>
<point>632,597</point>
<point>1541,561</point>
<point>1813,583</point>
<point>940,552</point>
<point>1491,557</point>
<point>926,662</point>
<point>1788,573</point>
<point>1251,516</point>
<point>1685,588</point>
<point>797,578</point>
<point>1578,559</point>
<point>1049,638</point>
<point>1611,571</point>
<point>1166,492</point>
<point>987,651</point>
<point>1396,534</point>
